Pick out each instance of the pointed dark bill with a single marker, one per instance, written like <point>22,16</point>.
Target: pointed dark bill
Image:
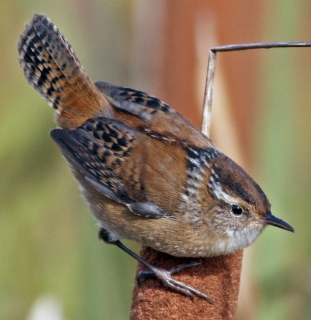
<point>271,220</point>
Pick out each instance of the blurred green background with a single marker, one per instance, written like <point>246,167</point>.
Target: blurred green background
<point>48,240</point>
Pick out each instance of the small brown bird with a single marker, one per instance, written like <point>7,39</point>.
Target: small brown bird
<point>146,172</point>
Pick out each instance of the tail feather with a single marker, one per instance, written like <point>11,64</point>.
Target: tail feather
<point>38,73</point>
<point>53,69</point>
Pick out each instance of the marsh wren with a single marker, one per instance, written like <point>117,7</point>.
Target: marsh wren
<point>147,173</point>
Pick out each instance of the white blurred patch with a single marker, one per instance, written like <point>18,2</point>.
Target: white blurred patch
<point>46,307</point>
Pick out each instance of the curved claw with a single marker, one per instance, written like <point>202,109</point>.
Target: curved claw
<point>184,266</point>
<point>146,274</point>
<point>167,280</point>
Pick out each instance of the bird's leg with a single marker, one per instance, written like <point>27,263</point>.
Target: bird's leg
<point>162,274</point>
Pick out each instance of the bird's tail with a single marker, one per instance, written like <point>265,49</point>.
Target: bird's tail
<point>53,69</point>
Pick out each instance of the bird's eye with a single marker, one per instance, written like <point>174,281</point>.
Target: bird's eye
<point>236,210</point>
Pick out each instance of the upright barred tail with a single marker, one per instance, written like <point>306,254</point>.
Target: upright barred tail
<point>53,69</point>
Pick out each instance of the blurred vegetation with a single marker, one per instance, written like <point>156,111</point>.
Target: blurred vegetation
<point>283,160</point>
<point>48,239</point>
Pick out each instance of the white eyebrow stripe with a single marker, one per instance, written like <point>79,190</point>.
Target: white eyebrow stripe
<point>219,193</point>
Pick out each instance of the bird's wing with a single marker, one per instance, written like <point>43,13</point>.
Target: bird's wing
<point>143,111</point>
<point>140,171</point>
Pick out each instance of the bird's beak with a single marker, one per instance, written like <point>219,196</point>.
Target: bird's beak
<point>271,220</point>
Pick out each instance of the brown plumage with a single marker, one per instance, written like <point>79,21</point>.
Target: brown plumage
<point>146,172</point>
